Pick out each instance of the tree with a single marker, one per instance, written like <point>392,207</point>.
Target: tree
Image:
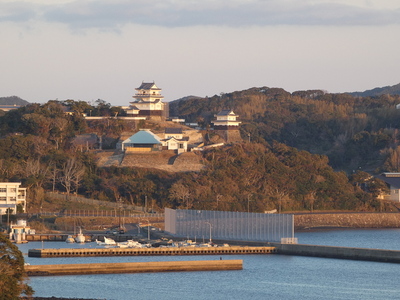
<point>181,194</point>
<point>72,173</point>
<point>12,272</point>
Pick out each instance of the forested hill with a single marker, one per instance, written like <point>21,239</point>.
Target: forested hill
<point>11,100</point>
<point>388,90</point>
<point>37,149</point>
<point>355,132</point>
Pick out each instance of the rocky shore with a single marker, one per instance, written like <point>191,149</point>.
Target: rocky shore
<point>346,220</point>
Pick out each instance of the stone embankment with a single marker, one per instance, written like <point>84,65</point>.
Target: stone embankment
<point>136,267</point>
<point>166,160</point>
<point>346,220</point>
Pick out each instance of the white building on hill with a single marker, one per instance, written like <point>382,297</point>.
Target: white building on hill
<point>11,197</point>
<point>174,140</point>
<point>226,120</point>
<point>148,102</point>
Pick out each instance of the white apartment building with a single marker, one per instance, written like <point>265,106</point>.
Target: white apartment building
<point>12,195</point>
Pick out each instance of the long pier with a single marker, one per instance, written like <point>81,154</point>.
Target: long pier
<point>365,254</point>
<point>231,250</point>
<point>137,267</point>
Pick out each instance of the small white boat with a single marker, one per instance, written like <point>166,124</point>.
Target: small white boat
<point>70,239</point>
<point>107,242</point>
<point>207,245</point>
<point>80,238</point>
<point>129,244</point>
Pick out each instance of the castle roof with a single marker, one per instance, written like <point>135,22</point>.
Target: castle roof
<point>226,112</point>
<point>148,86</point>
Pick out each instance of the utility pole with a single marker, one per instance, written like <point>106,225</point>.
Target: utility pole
<point>248,203</point>
<point>210,231</point>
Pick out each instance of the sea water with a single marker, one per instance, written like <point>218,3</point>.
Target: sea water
<point>263,276</point>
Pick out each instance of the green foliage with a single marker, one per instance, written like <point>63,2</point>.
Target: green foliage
<point>240,177</point>
<point>351,131</point>
<point>275,171</point>
<point>12,273</point>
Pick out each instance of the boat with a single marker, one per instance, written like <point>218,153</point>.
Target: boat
<point>129,244</point>
<point>80,238</point>
<point>107,242</point>
<point>70,239</point>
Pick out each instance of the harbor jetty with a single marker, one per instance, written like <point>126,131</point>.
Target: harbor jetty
<point>230,250</point>
<point>366,254</point>
<point>137,267</point>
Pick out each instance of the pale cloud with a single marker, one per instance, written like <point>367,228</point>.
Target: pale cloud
<point>193,47</point>
<point>17,12</point>
<point>111,14</point>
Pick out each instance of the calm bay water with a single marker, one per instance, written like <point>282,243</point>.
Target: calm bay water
<point>263,276</point>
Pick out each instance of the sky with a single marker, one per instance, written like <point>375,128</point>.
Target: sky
<point>104,49</point>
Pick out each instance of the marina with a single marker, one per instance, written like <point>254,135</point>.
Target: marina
<point>263,276</point>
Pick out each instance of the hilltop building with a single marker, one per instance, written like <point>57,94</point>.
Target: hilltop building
<point>174,140</point>
<point>142,141</point>
<point>12,196</point>
<point>227,125</point>
<point>226,120</point>
<point>148,103</point>
<point>146,141</point>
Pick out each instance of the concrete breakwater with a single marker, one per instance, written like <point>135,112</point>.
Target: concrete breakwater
<point>149,251</point>
<point>141,267</point>
<point>366,254</point>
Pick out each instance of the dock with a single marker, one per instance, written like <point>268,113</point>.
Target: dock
<point>137,267</point>
<point>165,251</point>
<point>365,254</point>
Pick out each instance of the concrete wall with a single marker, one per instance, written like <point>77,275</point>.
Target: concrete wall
<point>83,252</point>
<point>339,252</point>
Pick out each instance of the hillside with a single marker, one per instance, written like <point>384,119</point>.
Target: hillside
<point>355,132</point>
<point>12,100</point>
<point>257,174</point>
<point>386,90</point>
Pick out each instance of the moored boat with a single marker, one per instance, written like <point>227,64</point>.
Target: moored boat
<point>80,238</point>
<point>107,242</point>
<point>70,239</point>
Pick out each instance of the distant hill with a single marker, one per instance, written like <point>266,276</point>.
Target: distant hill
<point>173,110</point>
<point>391,90</point>
<point>11,100</point>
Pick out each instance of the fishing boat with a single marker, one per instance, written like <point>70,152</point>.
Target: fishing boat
<point>80,238</point>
